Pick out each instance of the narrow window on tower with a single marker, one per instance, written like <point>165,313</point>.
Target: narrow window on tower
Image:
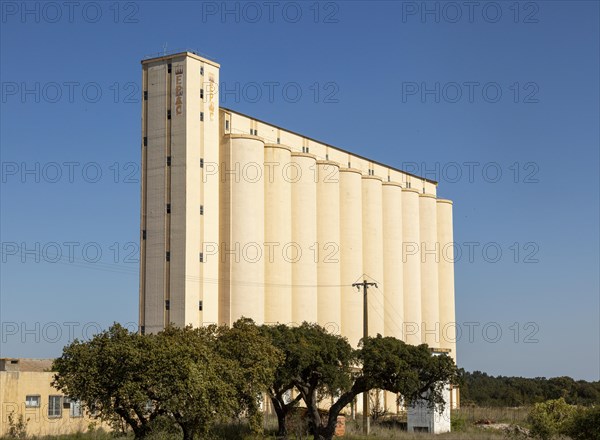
<point>226,125</point>
<point>201,93</point>
<point>327,157</point>
<point>168,208</point>
<point>145,95</point>
<point>168,256</point>
<point>144,234</point>
<point>168,114</point>
<point>202,70</point>
<point>200,305</point>
<point>201,163</point>
<point>145,141</point>
<point>278,140</point>
<point>202,116</point>
<point>168,161</point>
<point>201,257</point>
<point>349,164</point>
<point>201,209</point>
<point>169,68</point>
<point>143,329</point>
<point>167,304</point>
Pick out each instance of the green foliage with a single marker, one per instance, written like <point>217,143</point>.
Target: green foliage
<point>584,424</point>
<point>412,371</point>
<point>549,419</point>
<point>191,377</point>
<point>319,363</point>
<point>109,375</point>
<point>17,429</point>
<point>188,379</point>
<point>457,423</point>
<point>483,390</point>
<point>256,361</point>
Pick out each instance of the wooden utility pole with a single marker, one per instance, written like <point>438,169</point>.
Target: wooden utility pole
<point>365,286</point>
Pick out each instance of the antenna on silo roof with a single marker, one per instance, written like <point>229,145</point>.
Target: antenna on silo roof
<point>165,48</point>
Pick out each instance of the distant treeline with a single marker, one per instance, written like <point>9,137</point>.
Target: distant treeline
<point>480,389</point>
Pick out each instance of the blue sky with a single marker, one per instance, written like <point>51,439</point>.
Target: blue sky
<point>499,101</point>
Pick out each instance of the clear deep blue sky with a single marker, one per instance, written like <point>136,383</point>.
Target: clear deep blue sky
<point>369,62</point>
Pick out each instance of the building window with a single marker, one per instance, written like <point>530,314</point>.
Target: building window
<point>226,125</point>
<point>54,406</point>
<point>167,304</point>
<point>168,208</point>
<point>143,329</point>
<point>168,161</point>
<point>408,184</point>
<point>169,68</point>
<point>202,116</point>
<point>201,93</point>
<point>349,166</point>
<point>278,140</point>
<point>145,141</point>
<point>327,157</point>
<point>168,256</point>
<point>74,407</point>
<point>201,163</point>
<point>201,257</point>
<point>32,401</point>
<point>200,305</point>
<point>201,209</point>
<point>202,70</point>
<point>144,234</point>
<point>389,179</point>
<point>145,95</point>
<point>168,114</point>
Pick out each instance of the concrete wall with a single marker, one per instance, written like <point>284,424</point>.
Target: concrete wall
<point>15,386</point>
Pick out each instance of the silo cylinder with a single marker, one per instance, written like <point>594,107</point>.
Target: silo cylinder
<point>430,307</point>
<point>393,269</point>
<point>328,239</point>
<point>245,249</point>
<point>301,252</point>
<point>412,266</point>
<point>278,233</point>
<point>351,253</point>
<point>446,276</point>
<point>372,230</point>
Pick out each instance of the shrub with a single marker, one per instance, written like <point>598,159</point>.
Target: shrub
<point>17,428</point>
<point>584,424</point>
<point>550,418</point>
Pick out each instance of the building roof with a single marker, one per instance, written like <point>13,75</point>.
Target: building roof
<point>25,364</point>
<point>329,145</point>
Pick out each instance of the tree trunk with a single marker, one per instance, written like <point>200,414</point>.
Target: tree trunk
<point>188,432</point>
<point>281,413</point>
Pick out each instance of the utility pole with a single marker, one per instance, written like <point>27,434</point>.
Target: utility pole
<point>365,286</point>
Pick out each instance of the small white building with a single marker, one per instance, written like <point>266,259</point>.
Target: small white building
<point>423,418</point>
